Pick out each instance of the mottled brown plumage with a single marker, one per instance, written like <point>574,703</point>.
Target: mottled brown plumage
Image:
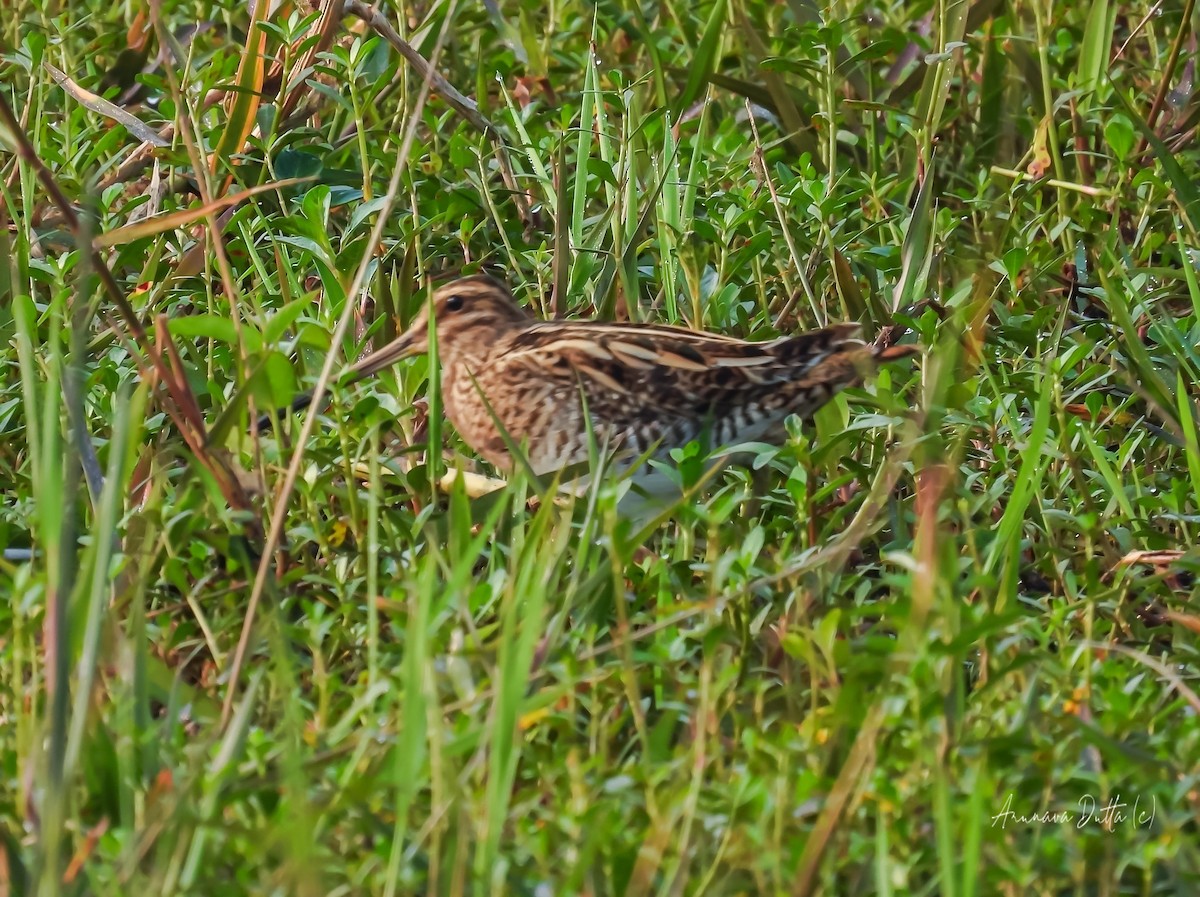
<point>644,387</point>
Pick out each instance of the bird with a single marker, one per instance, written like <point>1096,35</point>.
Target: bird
<point>557,389</point>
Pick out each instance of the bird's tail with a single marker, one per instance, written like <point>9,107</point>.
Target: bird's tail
<point>836,358</point>
<point>837,352</point>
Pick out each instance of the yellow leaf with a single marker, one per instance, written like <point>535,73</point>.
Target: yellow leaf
<point>1041,153</point>
<point>245,100</point>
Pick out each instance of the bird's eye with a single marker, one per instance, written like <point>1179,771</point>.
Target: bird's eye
<point>454,303</point>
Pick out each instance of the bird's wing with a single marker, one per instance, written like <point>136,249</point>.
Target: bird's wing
<point>649,383</point>
<point>625,357</point>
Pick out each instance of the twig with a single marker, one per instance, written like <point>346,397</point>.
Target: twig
<point>787,234</point>
<point>101,106</point>
<point>292,111</point>
<point>200,165</point>
<point>463,105</point>
<point>1168,73</point>
<point>1048,183</point>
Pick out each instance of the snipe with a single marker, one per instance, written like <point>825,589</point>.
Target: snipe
<point>642,388</point>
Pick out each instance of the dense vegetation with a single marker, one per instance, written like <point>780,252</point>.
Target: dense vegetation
<point>291,664</point>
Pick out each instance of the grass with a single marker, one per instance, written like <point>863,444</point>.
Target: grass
<point>928,646</point>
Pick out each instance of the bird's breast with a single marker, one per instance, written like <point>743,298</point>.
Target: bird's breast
<point>486,401</point>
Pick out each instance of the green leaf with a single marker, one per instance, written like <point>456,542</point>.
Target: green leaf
<point>1191,441</point>
<point>283,319</point>
<point>207,326</point>
<point>917,250</point>
<point>1186,193</point>
<point>1005,549</point>
<point>1118,133</point>
<point>704,63</point>
<point>1097,44</point>
<point>274,383</point>
<point>936,86</point>
<point>297,163</point>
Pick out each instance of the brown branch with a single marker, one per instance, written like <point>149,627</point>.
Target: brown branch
<point>460,103</point>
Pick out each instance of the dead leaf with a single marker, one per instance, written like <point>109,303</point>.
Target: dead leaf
<point>242,104</point>
<point>1162,558</point>
<point>85,850</point>
<point>139,31</point>
<point>1040,163</point>
<point>521,92</point>
<point>1187,621</point>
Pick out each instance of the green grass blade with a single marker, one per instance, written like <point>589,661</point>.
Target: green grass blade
<point>1004,552</point>
<point>704,63</point>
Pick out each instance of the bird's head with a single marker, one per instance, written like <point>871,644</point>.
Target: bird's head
<point>469,314</point>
